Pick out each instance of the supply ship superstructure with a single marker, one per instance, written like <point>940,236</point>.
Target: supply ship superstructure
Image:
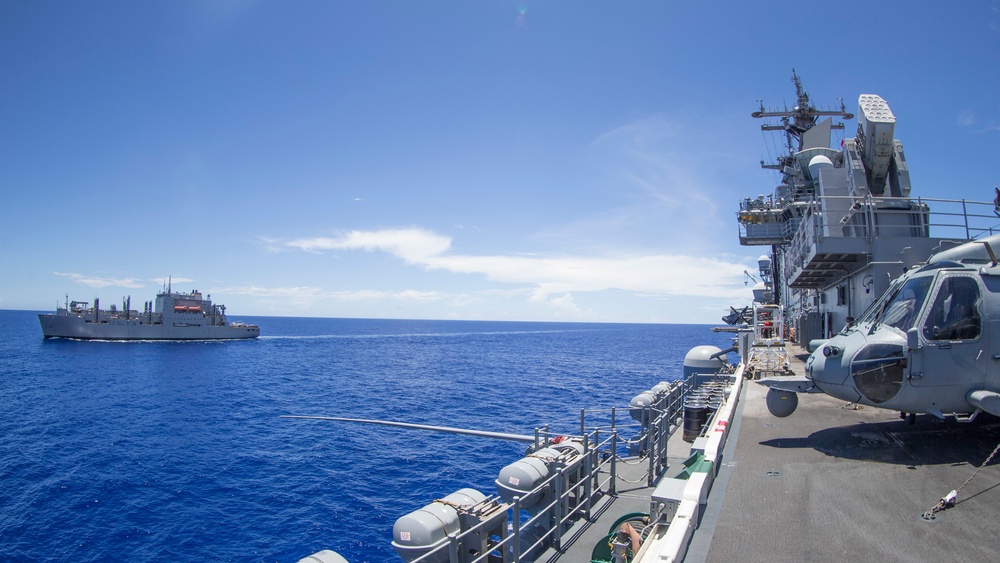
<point>172,316</point>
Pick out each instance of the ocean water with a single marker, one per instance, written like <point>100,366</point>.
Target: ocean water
<point>175,451</point>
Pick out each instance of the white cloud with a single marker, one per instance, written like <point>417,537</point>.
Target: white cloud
<point>375,295</point>
<point>664,192</point>
<point>272,244</point>
<point>412,245</point>
<point>171,280</point>
<point>565,305</point>
<point>658,274</point>
<point>969,119</point>
<point>101,282</point>
<point>668,186</point>
<point>309,294</point>
<point>283,292</point>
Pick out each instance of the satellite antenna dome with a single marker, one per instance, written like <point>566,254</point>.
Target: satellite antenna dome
<point>764,267</point>
<point>817,163</point>
<point>761,293</point>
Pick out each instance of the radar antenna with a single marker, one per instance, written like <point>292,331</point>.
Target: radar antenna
<point>796,121</point>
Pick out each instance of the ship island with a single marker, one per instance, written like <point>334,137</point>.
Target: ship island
<point>174,315</point>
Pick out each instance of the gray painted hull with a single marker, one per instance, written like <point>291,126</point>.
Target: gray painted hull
<point>72,326</point>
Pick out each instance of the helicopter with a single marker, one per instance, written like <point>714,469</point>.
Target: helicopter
<point>929,344</point>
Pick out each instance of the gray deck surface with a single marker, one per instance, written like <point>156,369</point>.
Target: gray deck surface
<point>830,482</point>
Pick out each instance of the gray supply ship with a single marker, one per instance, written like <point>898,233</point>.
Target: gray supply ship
<point>851,299</point>
<point>173,316</point>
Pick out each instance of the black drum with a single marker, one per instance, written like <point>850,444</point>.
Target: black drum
<point>695,417</point>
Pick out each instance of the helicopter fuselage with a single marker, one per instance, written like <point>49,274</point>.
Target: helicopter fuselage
<point>930,344</point>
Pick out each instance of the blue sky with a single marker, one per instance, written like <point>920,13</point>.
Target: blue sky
<point>534,160</point>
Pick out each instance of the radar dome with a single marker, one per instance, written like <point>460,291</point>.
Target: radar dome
<point>817,163</point>
<point>699,360</point>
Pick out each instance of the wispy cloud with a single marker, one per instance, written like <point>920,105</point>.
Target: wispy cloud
<point>261,291</point>
<point>101,282</point>
<point>669,191</point>
<point>171,279</point>
<point>966,118</point>
<point>310,294</point>
<point>413,245</point>
<point>552,279</point>
<point>660,162</point>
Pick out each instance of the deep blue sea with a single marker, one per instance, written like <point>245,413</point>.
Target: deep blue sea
<point>174,451</point>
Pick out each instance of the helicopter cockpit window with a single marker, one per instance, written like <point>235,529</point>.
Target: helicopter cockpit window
<point>902,309</point>
<point>955,313</point>
<point>874,311</point>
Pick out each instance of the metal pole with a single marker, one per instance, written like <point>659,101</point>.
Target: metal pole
<point>649,451</point>
<point>453,547</point>
<point>965,213</point>
<point>614,453</point>
<point>587,467</point>
<point>559,509</point>
<point>517,528</point>
<point>664,433</point>
<point>505,545</point>
<point>596,461</point>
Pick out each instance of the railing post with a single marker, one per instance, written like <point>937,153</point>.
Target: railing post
<point>587,467</point>
<point>614,454</point>
<point>453,547</point>
<point>505,544</point>
<point>664,440</point>
<point>596,461</point>
<point>517,529</point>
<point>559,510</point>
<point>965,214</point>
<point>649,451</point>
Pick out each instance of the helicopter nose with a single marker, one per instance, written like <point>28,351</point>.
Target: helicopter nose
<point>877,370</point>
<point>854,366</point>
<point>828,364</point>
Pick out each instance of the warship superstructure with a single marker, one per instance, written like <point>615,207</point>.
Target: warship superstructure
<point>172,316</point>
<point>841,224</point>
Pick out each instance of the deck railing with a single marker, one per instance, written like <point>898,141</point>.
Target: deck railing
<point>869,217</point>
<point>579,485</point>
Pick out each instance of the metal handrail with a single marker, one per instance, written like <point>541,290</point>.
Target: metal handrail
<point>941,218</point>
<point>560,511</point>
<point>974,218</point>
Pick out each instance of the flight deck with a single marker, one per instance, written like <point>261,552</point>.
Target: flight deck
<point>835,480</point>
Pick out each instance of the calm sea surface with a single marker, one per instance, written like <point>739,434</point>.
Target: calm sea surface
<point>174,451</point>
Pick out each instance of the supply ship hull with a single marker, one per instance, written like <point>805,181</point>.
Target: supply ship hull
<point>173,316</point>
